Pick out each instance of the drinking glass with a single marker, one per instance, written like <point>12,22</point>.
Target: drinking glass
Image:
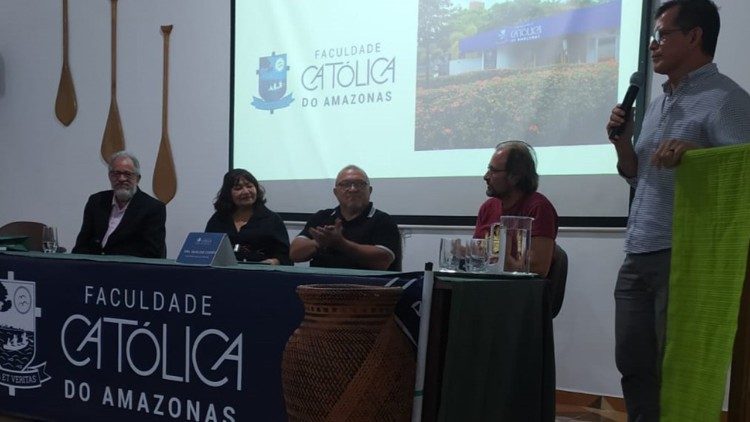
<point>452,254</point>
<point>49,239</point>
<point>478,252</point>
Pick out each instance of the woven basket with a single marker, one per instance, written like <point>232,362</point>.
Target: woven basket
<point>348,360</point>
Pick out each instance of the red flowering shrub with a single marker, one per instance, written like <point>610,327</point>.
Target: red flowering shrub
<point>559,105</point>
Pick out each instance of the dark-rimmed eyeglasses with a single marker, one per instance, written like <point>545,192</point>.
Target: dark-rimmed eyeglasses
<point>114,174</point>
<point>494,170</point>
<point>356,184</point>
<point>659,34</point>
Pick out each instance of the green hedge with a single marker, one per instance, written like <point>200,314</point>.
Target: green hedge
<point>560,105</point>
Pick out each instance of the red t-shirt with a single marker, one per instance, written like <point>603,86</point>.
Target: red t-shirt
<point>533,205</point>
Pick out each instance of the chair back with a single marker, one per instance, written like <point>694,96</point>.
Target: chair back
<point>31,229</point>
<point>557,277</point>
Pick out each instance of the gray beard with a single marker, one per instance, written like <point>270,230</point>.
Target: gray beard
<point>124,195</point>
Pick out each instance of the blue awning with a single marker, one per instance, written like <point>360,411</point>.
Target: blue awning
<point>577,21</point>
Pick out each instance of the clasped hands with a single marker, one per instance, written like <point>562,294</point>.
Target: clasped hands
<point>328,236</point>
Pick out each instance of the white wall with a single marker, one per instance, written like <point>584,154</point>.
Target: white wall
<point>458,66</point>
<point>730,51</point>
<point>47,171</point>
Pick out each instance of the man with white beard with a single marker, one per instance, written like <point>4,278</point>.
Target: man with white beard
<point>124,220</point>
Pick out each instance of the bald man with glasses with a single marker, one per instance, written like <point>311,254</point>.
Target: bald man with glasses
<point>123,220</point>
<point>352,235</point>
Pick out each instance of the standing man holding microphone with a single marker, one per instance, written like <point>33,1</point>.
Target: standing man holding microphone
<point>699,108</point>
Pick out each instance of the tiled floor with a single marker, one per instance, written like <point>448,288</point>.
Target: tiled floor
<point>567,413</point>
<point>587,407</point>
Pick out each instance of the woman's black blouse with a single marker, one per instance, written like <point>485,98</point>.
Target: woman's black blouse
<point>264,236</point>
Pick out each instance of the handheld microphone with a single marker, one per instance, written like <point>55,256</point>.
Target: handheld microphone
<point>627,102</point>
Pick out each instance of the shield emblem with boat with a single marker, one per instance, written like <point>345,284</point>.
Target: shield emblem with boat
<point>18,313</point>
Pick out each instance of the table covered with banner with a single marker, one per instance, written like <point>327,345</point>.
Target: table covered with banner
<point>103,338</point>
<point>125,339</point>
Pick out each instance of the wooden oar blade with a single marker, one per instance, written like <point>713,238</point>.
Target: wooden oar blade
<point>66,105</point>
<point>113,139</point>
<point>165,177</point>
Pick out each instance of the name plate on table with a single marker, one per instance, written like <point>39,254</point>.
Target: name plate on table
<point>207,249</point>
<point>13,243</point>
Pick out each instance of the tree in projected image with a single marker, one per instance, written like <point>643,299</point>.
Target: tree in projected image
<point>433,17</point>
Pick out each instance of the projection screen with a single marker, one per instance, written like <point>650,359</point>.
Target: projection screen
<point>418,93</point>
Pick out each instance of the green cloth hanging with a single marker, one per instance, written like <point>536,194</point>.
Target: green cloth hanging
<point>711,234</point>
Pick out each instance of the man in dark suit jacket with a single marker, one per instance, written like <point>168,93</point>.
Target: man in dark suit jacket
<point>124,220</point>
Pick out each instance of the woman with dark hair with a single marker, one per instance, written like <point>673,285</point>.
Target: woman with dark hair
<point>257,233</point>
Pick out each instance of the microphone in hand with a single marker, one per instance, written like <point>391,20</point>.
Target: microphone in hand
<point>627,103</point>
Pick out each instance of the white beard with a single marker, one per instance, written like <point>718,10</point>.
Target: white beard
<point>124,195</point>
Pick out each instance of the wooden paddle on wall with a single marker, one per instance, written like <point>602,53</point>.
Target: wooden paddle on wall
<point>113,139</point>
<point>65,104</point>
<point>165,178</point>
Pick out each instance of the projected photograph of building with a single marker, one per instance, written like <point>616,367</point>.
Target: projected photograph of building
<point>586,35</point>
<point>529,70</point>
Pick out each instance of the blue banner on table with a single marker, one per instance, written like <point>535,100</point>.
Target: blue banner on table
<point>132,341</point>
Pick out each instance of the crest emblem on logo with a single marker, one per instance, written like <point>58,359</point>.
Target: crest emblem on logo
<point>18,313</point>
<point>501,36</point>
<point>272,83</point>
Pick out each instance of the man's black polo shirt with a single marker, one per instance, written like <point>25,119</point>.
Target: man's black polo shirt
<point>372,227</point>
